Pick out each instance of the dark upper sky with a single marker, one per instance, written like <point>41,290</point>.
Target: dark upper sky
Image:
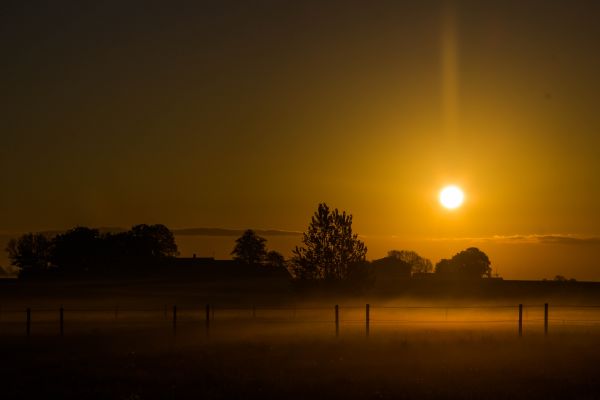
<point>249,113</point>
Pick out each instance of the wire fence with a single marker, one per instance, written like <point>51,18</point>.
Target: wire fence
<point>366,318</point>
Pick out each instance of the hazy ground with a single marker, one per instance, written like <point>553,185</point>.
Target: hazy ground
<point>119,342</point>
<point>433,364</point>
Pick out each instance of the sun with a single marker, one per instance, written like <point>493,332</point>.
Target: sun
<point>451,197</point>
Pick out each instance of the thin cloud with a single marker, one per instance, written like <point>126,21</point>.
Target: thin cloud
<point>231,232</point>
<point>569,239</point>
<point>176,232</point>
<point>564,239</point>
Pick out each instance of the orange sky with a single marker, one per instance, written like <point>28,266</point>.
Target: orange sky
<point>248,115</point>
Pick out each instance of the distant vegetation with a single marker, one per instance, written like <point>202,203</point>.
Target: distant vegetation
<point>469,263</point>
<point>83,250</point>
<point>330,252</point>
<point>561,278</point>
<point>413,261</point>
<point>251,249</point>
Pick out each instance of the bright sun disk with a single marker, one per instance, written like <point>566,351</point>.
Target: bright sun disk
<point>451,197</point>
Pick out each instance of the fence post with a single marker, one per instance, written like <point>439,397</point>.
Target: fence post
<point>207,319</point>
<point>174,318</point>
<point>62,321</point>
<point>520,320</point>
<point>546,319</point>
<point>367,318</point>
<point>337,320</point>
<point>28,323</point>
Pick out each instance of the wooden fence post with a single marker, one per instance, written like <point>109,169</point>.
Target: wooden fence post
<point>207,319</point>
<point>546,319</point>
<point>174,318</point>
<point>62,321</point>
<point>337,320</point>
<point>520,320</point>
<point>367,318</point>
<point>28,323</point>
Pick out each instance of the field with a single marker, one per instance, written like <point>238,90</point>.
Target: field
<point>127,347</point>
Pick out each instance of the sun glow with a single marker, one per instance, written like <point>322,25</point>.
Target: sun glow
<point>451,197</point>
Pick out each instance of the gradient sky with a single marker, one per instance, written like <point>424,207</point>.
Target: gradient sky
<point>249,113</point>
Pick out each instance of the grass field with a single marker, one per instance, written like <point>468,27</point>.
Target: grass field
<point>425,364</point>
<point>125,347</point>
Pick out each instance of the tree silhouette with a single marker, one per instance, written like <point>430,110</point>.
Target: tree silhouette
<point>153,241</point>
<point>469,263</point>
<point>76,250</point>
<point>330,248</point>
<point>417,263</point>
<point>30,253</point>
<point>275,259</point>
<point>85,250</point>
<point>117,251</point>
<point>391,267</point>
<point>562,278</point>
<point>249,248</point>
<point>445,267</point>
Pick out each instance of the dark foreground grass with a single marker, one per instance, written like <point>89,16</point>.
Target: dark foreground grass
<point>423,364</point>
<point>111,352</point>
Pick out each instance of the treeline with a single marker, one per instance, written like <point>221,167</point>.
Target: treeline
<point>331,252</point>
<point>86,251</point>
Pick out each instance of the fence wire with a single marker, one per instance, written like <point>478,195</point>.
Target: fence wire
<point>69,318</point>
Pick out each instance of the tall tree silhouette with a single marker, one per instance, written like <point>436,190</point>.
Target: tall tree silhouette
<point>30,253</point>
<point>330,248</point>
<point>250,248</point>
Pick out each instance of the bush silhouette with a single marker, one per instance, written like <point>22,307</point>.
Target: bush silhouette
<point>417,263</point>
<point>469,263</point>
